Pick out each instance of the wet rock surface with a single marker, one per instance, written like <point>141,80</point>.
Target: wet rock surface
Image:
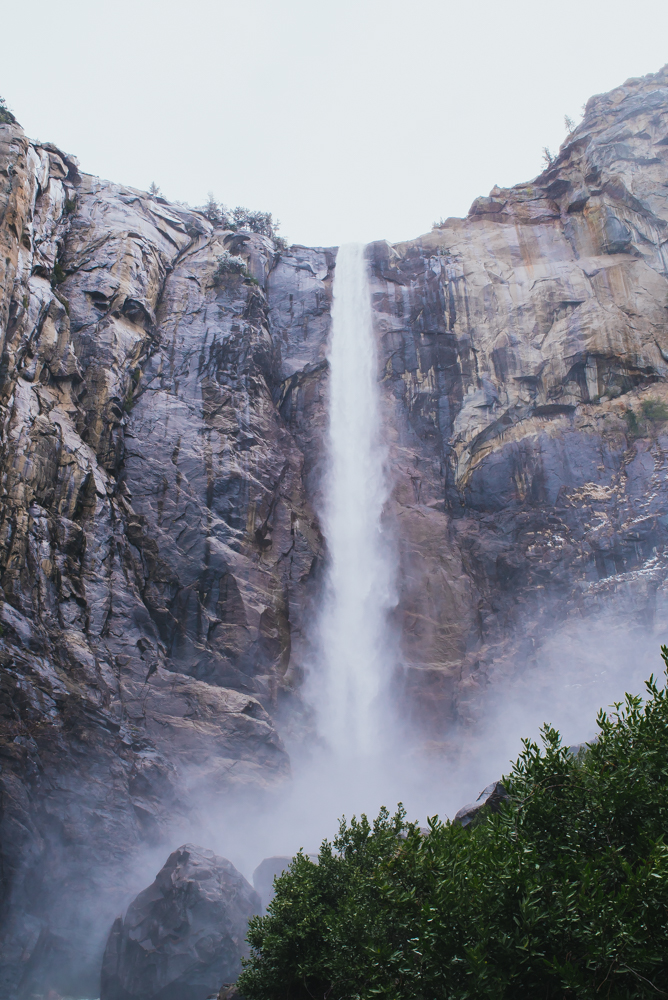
<point>161,447</point>
<point>523,352</point>
<point>489,801</point>
<point>183,935</point>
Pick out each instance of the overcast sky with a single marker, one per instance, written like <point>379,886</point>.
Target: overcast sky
<point>349,120</point>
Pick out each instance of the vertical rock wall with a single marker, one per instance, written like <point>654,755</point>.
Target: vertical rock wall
<point>525,355</point>
<point>153,534</point>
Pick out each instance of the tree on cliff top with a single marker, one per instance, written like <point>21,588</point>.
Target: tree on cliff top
<point>241,218</point>
<point>6,117</point>
<point>562,894</point>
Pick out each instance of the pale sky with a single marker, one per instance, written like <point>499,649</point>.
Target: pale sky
<point>349,120</point>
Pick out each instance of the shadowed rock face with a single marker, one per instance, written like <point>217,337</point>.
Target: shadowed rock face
<point>184,935</point>
<point>161,436</point>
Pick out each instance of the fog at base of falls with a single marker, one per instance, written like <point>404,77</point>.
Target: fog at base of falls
<point>364,754</point>
<point>581,668</point>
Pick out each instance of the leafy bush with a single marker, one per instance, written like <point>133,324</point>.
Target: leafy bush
<point>228,263</point>
<point>256,222</point>
<point>6,117</point>
<point>654,410</point>
<point>632,423</point>
<point>562,894</point>
<point>58,274</point>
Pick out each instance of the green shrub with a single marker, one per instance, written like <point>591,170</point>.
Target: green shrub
<point>258,222</point>
<point>632,423</point>
<point>562,894</point>
<point>241,218</point>
<point>59,274</point>
<point>654,410</point>
<point>228,263</point>
<point>6,117</point>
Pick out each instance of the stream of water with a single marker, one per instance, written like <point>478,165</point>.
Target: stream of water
<point>359,584</point>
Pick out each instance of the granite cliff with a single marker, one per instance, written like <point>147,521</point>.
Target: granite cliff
<point>161,429</point>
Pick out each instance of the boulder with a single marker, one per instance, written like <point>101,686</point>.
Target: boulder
<point>490,800</point>
<point>182,936</point>
<point>266,872</point>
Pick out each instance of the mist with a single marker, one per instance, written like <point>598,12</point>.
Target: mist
<point>358,748</point>
<point>580,669</point>
<point>361,749</point>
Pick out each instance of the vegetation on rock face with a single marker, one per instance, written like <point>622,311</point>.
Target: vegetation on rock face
<point>228,263</point>
<point>243,219</point>
<point>562,894</point>
<point>652,411</point>
<point>6,117</point>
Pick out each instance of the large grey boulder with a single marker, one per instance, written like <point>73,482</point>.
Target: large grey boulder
<point>184,935</point>
<point>489,800</point>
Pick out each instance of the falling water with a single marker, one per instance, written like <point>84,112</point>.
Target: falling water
<point>359,585</point>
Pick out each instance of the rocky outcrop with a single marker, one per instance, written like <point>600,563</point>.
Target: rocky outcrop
<point>266,872</point>
<point>184,934</point>
<point>489,801</point>
<point>161,435</point>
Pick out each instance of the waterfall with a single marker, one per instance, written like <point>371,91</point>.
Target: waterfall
<point>359,582</point>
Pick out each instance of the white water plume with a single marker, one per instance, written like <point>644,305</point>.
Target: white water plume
<point>359,586</point>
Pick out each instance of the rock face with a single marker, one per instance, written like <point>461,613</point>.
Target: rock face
<point>144,476</point>
<point>266,872</point>
<point>521,347</point>
<point>161,436</point>
<point>182,936</point>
